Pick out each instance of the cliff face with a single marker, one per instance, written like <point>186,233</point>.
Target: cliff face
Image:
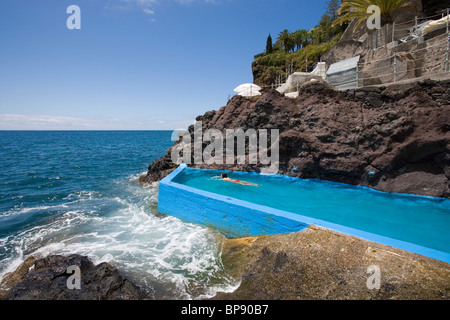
<point>400,132</point>
<point>372,46</point>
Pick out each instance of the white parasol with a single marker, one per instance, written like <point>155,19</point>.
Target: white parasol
<point>246,86</point>
<point>249,93</point>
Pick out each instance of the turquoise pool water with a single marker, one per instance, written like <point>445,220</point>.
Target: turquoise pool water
<point>418,220</point>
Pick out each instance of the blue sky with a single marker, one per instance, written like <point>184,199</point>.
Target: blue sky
<point>135,64</point>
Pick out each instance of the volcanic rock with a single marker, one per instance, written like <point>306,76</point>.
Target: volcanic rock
<point>47,278</point>
<point>400,134</point>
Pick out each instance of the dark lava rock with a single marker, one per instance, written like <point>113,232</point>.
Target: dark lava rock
<point>400,132</point>
<point>47,279</point>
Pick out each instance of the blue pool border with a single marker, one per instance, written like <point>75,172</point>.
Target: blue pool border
<point>238,218</point>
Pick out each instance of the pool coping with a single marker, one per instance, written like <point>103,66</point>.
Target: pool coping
<point>299,220</point>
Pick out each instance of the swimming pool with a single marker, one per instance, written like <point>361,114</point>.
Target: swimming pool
<point>414,223</point>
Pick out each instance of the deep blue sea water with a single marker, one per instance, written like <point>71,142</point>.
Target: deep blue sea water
<point>64,192</point>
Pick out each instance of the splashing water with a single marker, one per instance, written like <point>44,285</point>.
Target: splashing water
<point>67,208</point>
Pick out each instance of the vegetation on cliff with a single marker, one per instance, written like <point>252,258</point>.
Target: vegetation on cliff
<point>299,50</point>
<point>302,49</point>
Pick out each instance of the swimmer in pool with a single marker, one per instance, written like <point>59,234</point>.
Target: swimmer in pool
<point>225,177</point>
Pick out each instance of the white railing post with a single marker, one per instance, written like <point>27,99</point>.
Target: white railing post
<point>415,27</point>
<point>395,67</point>
<point>393,31</point>
<point>448,44</point>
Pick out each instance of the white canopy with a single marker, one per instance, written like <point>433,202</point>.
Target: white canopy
<point>246,86</point>
<point>249,93</point>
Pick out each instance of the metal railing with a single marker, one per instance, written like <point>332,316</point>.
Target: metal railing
<point>389,70</point>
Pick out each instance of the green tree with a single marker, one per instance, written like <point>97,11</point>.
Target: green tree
<point>316,35</point>
<point>332,8</point>
<point>300,38</point>
<point>269,46</point>
<point>285,38</point>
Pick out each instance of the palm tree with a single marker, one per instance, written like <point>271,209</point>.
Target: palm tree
<point>300,38</point>
<point>357,9</point>
<point>285,38</point>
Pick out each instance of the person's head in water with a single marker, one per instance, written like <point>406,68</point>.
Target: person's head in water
<point>224,176</point>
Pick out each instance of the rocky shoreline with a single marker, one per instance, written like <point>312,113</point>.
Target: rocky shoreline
<point>47,279</point>
<point>321,264</point>
<point>315,264</point>
<point>401,133</point>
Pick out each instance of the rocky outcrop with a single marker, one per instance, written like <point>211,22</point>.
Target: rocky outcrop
<point>46,279</point>
<point>377,48</point>
<point>400,133</point>
<point>321,264</point>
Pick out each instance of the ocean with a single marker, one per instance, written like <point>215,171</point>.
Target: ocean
<point>76,192</point>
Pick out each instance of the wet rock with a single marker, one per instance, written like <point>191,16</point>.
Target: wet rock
<point>160,168</point>
<point>319,264</point>
<point>47,278</point>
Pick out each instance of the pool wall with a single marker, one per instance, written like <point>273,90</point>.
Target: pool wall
<point>237,218</point>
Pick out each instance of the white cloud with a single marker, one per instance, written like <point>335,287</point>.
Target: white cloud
<point>148,11</point>
<point>50,122</point>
